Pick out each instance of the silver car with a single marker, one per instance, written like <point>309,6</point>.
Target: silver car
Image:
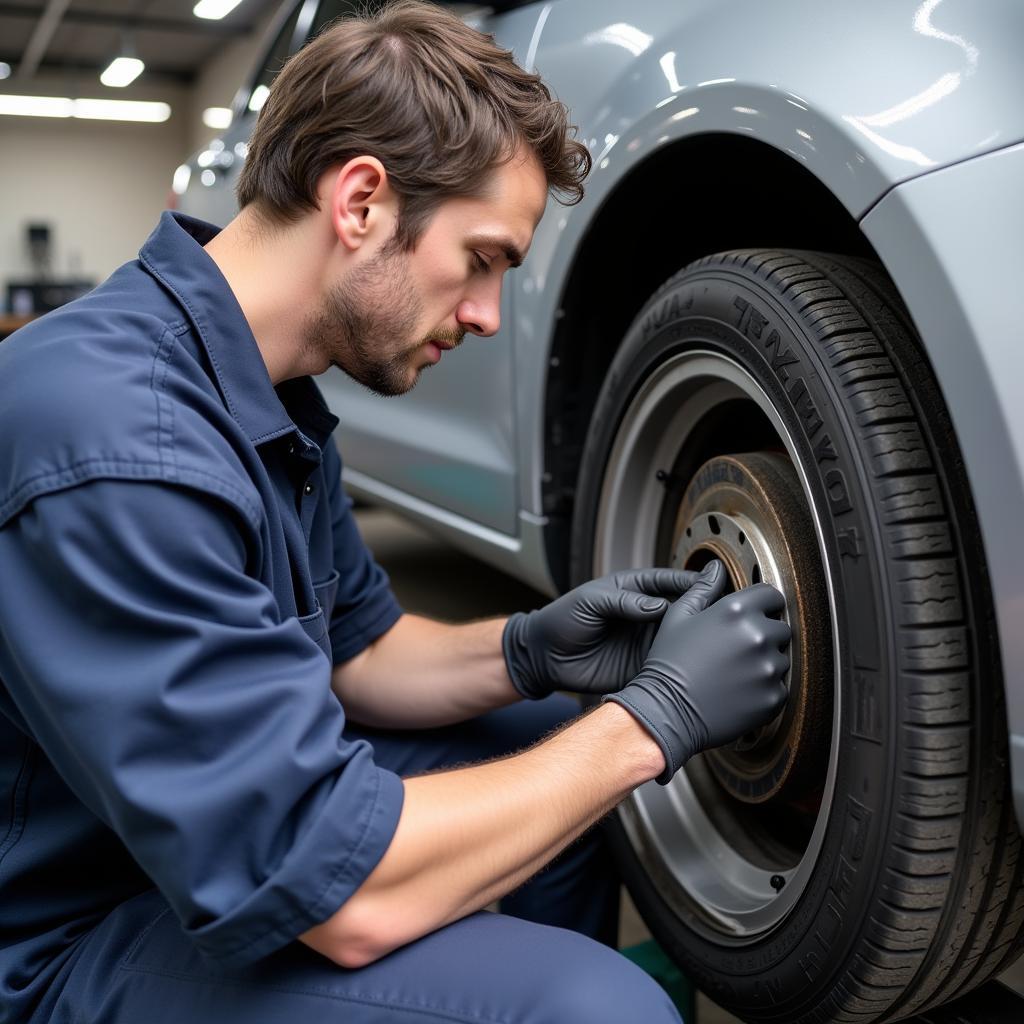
<point>781,330</point>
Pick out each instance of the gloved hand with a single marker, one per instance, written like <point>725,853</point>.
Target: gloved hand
<point>713,673</point>
<point>593,639</point>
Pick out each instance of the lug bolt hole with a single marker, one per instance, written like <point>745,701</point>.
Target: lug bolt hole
<point>714,524</point>
<point>755,576</point>
<point>743,537</point>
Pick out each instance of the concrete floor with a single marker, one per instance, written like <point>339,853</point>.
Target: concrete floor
<point>432,578</point>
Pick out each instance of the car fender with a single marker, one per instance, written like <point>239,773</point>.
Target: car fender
<point>935,85</point>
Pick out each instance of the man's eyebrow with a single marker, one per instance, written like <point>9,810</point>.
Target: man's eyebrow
<point>509,249</point>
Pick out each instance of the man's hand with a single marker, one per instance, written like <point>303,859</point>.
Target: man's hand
<point>714,671</point>
<point>593,639</point>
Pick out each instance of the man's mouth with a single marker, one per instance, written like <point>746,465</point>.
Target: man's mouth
<point>445,344</point>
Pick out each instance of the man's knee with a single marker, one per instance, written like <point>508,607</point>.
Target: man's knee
<point>608,989</point>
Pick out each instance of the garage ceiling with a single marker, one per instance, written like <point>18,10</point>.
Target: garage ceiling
<point>59,36</point>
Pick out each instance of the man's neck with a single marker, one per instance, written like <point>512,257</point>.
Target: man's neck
<point>273,275</point>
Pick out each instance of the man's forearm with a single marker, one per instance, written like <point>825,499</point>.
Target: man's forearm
<point>423,673</point>
<point>468,837</point>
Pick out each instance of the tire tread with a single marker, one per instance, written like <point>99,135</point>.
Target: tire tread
<point>957,887</point>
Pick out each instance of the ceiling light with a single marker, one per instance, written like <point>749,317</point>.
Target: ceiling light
<point>121,110</point>
<point>259,97</point>
<point>217,117</point>
<point>36,106</point>
<point>5,70</point>
<point>91,110</point>
<point>214,9</point>
<point>122,71</point>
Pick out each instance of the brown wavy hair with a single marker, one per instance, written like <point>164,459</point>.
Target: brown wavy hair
<point>437,102</point>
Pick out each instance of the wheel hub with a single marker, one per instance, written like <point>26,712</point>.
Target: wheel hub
<point>749,511</point>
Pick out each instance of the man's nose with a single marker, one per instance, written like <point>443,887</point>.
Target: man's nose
<point>480,315</point>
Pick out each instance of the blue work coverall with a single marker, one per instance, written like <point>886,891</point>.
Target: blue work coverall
<point>180,793</point>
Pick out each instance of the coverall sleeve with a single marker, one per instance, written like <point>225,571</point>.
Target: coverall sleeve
<point>161,680</point>
<point>365,607</point>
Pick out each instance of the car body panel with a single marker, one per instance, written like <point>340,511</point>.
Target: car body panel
<point>464,459</point>
<point>952,242</point>
<point>522,555</point>
<point>910,86</point>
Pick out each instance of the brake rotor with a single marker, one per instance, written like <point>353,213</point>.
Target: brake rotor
<point>750,512</point>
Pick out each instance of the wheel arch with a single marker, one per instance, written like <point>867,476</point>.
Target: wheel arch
<point>734,192</point>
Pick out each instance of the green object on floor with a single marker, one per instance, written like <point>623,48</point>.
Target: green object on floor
<point>650,957</point>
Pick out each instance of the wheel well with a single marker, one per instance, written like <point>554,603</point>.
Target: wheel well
<point>702,195</point>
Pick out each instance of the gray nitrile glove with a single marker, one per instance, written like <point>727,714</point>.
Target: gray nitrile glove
<point>714,670</point>
<point>593,639</point>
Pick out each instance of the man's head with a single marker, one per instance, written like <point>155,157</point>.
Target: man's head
<point>438,103</point>
<point>430,154</point>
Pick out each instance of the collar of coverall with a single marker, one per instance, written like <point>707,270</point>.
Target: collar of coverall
<point>175,256</point>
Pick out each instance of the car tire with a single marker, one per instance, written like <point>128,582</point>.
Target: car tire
<point>859,860</point>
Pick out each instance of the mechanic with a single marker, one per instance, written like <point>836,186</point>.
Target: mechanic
<point>219,732</point>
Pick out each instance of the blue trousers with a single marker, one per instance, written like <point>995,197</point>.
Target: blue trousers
<point>545,959</point>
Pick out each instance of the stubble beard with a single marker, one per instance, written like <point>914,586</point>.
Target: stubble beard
<point>359,326</point>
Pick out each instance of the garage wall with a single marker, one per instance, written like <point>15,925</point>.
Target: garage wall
<point>100,185</point>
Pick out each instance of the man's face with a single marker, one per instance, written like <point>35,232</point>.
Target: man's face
<point>395,313</point>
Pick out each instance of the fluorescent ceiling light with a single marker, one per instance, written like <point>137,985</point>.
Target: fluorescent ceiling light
<point>217,117</point>
<point>91,110</point>
<point>5,70</point>
<point>214,9</point>
<point>36,106</point>
<point>121,110</point>
<point>122,71</point>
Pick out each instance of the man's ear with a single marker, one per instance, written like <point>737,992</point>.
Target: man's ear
<point>362,204</point>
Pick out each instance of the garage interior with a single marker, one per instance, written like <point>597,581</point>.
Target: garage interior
<point>53,244</point>
<point>80,190</point>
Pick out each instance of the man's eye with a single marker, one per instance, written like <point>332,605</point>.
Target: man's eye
<point>480,263</point>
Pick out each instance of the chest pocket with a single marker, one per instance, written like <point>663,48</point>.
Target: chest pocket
<point>316,623</point>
